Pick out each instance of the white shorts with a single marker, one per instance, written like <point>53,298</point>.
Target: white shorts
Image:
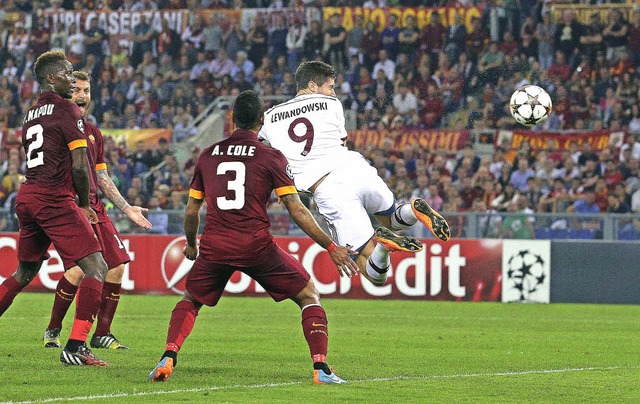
<point>346,198</point>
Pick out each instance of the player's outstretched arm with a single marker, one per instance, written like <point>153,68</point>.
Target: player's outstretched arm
<point>80,178</point>
<point>134,213</point>
<point>191,225</point>
<point>341,256</point>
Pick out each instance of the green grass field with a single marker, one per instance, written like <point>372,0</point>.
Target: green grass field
<point>252,350</point>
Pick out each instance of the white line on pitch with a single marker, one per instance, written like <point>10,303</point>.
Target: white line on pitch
<point>378,379</point>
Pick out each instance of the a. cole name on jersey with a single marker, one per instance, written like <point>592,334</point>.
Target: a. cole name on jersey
<point>234,150</point>
<point>314,106</point>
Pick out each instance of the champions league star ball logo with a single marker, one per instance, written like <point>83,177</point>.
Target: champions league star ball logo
<point>526,272</point>
<point>175,266</point>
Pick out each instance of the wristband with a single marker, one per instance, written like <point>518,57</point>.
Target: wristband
<point>331,247</point>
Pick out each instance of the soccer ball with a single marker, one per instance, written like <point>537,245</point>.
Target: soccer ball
<point>530,105</point>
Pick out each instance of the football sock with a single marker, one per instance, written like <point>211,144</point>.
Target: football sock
<point>183,317</point>
<point>65,293</point>
<point>316,331</point>
<point>403,217</point>
<point>8,291</point>
<point>87,306</point>
<point>379,262</point>
<point>110,300</point>
<point>171,354</point>
<point>322,366</point>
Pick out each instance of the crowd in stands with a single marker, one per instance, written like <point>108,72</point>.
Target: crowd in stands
<point>401,76</point>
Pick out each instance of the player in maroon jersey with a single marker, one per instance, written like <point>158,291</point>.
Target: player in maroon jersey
<point>236,177</point>
<point>113,249</point>
<point>56,152</point>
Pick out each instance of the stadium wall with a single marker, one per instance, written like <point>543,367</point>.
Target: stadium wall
<point>460,270</point>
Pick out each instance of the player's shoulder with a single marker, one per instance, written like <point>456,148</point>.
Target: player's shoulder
<point>92,129</point>
<point>305,98</point>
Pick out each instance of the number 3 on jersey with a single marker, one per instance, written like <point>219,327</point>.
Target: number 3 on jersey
<point>307,137</point>
<point>236,185</point>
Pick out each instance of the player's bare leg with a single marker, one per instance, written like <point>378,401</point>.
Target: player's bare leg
<point>316,332</point>
<point>76,351</point>
<point>16,282</point>
<point>183,318</point>
<point>102,337</point>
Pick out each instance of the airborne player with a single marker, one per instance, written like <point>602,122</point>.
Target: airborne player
<point>310,131</point>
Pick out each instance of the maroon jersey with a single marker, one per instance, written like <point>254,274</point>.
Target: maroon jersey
<point>52,128</point>
<point>236,177</point>
<point>95,156</point>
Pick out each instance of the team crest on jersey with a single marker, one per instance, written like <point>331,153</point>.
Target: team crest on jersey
<point>289,172</point>
<point>92,138</point>
<point>80,125</point>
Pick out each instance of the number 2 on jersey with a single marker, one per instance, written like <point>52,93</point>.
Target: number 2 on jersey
<point>236,185</point>
<point>35,158</point>
<point>307,137</point>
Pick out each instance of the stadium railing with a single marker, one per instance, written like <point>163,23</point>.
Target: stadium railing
<point>554,226</point>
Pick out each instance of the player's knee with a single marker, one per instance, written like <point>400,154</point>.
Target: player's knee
<point>74,275</point>
<point>308,295</point>
<point>93,266</point>
<point>114,275</point>
<point>26,272</point>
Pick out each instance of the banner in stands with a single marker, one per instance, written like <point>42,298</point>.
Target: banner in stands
<point>583,12</point>
<point>117,24</point>
<point>380,15</point>
<point>460,270</point>
<point>511,139</point>
<point>432,139</point>
<point>130,137</point>
<point>270,15</point>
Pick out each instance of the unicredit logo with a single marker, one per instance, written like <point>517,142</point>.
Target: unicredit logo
<point>175,266</point>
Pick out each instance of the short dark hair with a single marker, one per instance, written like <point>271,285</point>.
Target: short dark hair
<point>47,64</point>
<point>247,110</point>
<point>313,70</point>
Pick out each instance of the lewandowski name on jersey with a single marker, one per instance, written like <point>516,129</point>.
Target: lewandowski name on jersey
<point>314,106</point>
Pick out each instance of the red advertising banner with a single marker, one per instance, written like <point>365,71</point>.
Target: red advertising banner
<point>462,270</point>
<point>433,139</point>
<point>380,15</point>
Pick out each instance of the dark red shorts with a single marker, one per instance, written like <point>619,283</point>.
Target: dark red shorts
<point>281,275</point>
<point>62,223</point>
<point>113,251</point>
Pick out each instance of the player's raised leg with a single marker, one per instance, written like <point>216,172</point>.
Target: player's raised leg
<point>407,214</point>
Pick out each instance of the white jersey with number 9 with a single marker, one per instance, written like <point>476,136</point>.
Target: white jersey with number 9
<point>309,130</point>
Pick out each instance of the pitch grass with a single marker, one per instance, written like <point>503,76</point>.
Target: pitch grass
<point>252,350</point>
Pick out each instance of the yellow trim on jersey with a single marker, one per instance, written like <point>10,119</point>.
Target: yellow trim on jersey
<point>195,194</point>
<point>286,190</point>
<point>77,143</point>
<point>101,166</point>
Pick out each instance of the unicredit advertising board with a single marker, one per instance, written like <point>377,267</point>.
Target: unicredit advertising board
<point>463,270</point>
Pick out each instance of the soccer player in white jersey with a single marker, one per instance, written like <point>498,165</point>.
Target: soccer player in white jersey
<point>310,131</point>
